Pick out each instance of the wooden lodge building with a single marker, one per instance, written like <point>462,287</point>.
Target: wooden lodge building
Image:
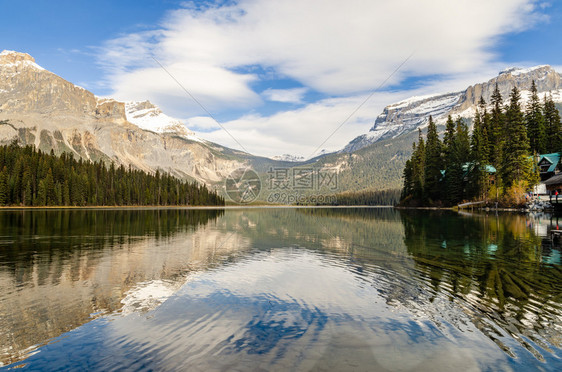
<point>549,165</point>
<point>550,170</point>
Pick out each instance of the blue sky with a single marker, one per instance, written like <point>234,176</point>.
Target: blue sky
<point>281,75</point>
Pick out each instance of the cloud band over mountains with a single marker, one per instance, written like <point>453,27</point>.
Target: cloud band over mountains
<point>278,72</point>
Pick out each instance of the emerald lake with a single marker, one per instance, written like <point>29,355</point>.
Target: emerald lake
<point>278,289</point>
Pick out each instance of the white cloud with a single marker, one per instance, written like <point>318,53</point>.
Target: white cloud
<point>301,131</point>
<point>334,47</point>
<point>201,123</point>
<point>294,95</point>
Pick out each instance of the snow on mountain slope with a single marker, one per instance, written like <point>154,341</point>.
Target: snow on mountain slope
<point>288,157</point>
<point>405,116</point>
<point>410,114</point>
<point>147,116</point>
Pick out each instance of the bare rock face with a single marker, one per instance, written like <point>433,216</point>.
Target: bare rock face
<point>26,87</point>
<point>110,108</point>
<point>545,77</point>
<point>40,108</point>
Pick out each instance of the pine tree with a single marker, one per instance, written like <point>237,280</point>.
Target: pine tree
<point>496,133</point>
<point>475,139</point>
<point>460,156</point>
<point>433,162</point>
<point>448,139</point>
<point>66,193</point>
<point>41,194</point>
<point>4,186</point>
<point>407,190</point>
<point>477,172</point>
<point>535,123</point>
<point>553,127</point>
<point>485,119</point>
<point>418,169</point>
<point>27,196</point>
<point>50,195</point>
<point>514,165</point>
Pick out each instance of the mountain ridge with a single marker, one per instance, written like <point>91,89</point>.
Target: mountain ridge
<point>412,113</point>
<point>41,108</point>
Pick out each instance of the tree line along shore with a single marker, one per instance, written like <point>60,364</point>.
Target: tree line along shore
<point>30,177</point>
<point>497,162</point>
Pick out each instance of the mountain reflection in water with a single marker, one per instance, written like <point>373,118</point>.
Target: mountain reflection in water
<point>277,289</point>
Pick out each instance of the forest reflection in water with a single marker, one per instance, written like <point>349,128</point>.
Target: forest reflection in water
<point>62,268</point>
<point>405,280</point>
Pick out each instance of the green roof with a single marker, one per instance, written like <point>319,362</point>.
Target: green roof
<point>553,159</point>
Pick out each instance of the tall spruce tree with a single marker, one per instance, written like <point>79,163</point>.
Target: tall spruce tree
<point>448,139</point>
<point>418,168</point>
<point>477,172</point>
<point>4,191</point>
<point>515,153</point>
<point>433,162</point>
<point>476,138</point>
<point>460,156</point>
<point>485,120</point>
<point>553,127</point>
<point>535,123</point>
<point>407,190</point>
<point>496,132</point>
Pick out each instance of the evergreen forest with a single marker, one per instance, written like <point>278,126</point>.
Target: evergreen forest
<point>497,161</point>
<point>30,177</point>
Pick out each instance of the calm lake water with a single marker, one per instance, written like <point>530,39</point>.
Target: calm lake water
<point>279,289</point>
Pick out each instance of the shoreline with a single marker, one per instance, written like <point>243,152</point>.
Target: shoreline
<point>270,206</point>
<point>194,207</point>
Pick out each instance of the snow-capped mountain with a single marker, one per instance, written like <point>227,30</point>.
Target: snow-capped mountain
<point>15,60</point>
<point>38,107</point>
<point>147,116</point>
<point>408,115</point>
<point>288,157</point>
<point>404,117</point>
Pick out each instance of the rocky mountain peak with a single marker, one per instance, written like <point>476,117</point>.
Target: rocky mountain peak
<point>12,57</point>
<point>545,77</point>
<point>518,70</point>
<point>148,116</point>
<point>140,105</point>
<point>25,87</point>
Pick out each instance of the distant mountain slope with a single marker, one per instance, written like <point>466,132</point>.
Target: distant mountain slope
<point>406,116</point>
